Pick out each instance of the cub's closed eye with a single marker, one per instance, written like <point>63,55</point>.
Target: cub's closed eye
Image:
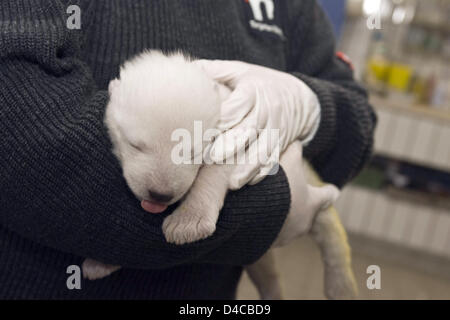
<point>135,146</point>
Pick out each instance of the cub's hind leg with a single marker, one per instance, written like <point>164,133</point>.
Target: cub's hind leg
<point>264,276</point>
<point>329,234</point>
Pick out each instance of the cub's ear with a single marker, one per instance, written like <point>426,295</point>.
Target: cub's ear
<point>113,84</point>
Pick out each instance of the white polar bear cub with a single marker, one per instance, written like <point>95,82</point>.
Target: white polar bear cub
<point>158,94</point>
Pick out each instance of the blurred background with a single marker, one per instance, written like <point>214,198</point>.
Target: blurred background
<point>397,211</point>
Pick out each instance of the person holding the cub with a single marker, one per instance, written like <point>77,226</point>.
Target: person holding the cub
<point>64,197</point>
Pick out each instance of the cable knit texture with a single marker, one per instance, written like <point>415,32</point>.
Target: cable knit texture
<point>62,195</point>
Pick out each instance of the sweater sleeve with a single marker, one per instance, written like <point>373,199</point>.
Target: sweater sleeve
<point>61,186</point>
<point>343,141</point>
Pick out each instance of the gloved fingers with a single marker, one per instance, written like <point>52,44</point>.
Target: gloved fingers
<point>224,71</point>
<point>238,133</point>
<point>261,156</point>
<point>271,168</point>
<point>241,176</point>
<point>233,143</point>
<point>270,165</point>
<point>237,106</point>
<point>239,141</point>
<point>251,174</point>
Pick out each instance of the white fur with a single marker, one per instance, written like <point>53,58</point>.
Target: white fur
<point>157,94</point>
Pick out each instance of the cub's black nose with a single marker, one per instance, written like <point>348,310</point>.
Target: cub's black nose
<point>159,197</point>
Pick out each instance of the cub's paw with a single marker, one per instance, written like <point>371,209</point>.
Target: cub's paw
<point>183,227</point>
<point>94,270</point>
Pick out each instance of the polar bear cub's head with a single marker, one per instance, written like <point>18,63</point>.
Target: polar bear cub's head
<point>156,95</point>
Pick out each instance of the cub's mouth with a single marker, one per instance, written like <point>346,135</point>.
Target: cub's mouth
<point>153,207</point>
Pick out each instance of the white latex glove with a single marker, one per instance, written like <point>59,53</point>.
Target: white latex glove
<point>261,98</point>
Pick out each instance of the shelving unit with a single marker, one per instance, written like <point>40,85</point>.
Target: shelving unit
<point>416,134</point>
<point>383,217</point>
<point>417,109</point>
<point>407,134</point>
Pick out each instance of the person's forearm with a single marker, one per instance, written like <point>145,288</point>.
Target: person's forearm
<point>343,141</point>
<point>60,183</point>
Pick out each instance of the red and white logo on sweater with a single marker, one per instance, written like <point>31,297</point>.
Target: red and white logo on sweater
<point>264,17</point>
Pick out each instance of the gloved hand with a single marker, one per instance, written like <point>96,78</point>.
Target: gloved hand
<point>262,99</point>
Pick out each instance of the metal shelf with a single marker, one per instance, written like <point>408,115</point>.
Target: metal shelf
<point>415,134</point>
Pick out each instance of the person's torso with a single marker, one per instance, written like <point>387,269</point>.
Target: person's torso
<point>29,270</point>
<point>246,30</point>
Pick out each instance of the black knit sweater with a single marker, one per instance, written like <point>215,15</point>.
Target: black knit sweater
<point>62,195</point>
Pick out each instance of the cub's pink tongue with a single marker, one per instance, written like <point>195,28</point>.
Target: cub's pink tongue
<point>153,207</point>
